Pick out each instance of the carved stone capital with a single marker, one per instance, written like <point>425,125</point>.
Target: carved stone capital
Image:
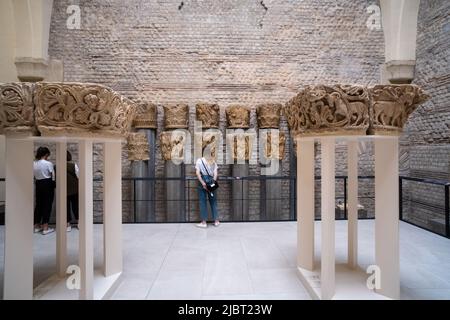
<point>78,109</point>
<point>238,117</point>
<point>137,145</point>
<point>208,114</point>
<point>17,108</point>
<point>399,71</point>
<point>176,116</point>
<point>173,145</point>
<point>241,145</point>
<point>274,145</point>
<point>329,110</point>
<point>31,69</point>
<point>391,107</point>
<point>145,117</point>
<point>209,142</point>
<point>268,115</point>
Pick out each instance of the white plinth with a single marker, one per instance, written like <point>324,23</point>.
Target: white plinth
<point>18,274</point>
<point>54,288</point>
<point>328,280</point>
<point>350,284</point>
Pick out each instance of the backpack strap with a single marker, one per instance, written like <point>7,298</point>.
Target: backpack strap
<point>206,168</point>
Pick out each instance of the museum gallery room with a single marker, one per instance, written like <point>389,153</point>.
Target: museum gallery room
<point>224,150</point>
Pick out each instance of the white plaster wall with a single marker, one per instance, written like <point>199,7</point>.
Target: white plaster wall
<point>8,71</point>
<point>399,20</point>
<point>2,167</point>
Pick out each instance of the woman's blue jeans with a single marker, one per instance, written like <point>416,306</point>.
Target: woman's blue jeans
<point>203,195</point>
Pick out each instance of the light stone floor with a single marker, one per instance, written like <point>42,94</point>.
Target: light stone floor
<point>242,260</point>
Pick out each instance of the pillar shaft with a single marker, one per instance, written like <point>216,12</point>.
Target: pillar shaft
<point>352,203</point>
<point>386,216</point>
<point>112,208</point>
<point>86,243</point>
<point>140,191</point>
<point>328,217</point>
<point>151,172</point>
<point>273,195</point>
<point>18,274</point>
<point>240,192</point>
<point>305,204</point>
<point>61,208</point>
<point>175,191</point>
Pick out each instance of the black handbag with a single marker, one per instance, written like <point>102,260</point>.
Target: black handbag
<point>212,184</point>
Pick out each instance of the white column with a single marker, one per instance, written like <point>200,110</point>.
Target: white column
<point>61,208</point>
<point>86,245</point>
<point>386,216</point>
<point>352,203</point>
<point>328,217</point>
<point>18,274</point>
<point>305,204</point>
<point>112,208</point>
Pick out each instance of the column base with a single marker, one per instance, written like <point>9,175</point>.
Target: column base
<point>350,284</point>
<point>54,288</point>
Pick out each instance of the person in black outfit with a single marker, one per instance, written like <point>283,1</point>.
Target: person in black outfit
<point>72,190</point>
<point>44,175</point>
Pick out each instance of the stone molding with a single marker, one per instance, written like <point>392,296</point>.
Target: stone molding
<point>92,110</point>
<point>137,146</point>
<point>208,114</point>
<point>399,71</point>
<point>80,109</point>
<point>352,110</point>
<point>173,145</point>
<point>274,149</point>
<point>392,105</point>
<point>209,139</point>
<point>17,108</point>
<point>146,115</point>
<point>268,115</point>
<point>176,116</point>
<point>241,146</point>
<point>238,117</point>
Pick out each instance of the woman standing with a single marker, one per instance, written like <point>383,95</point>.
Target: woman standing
<point>207,170</point>
<point>72,190</point>
<point>44,175</point>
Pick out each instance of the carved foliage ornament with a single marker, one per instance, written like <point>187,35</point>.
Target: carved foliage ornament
<point>145,117</point>
<point>274,145</point>
<point>209,143</point>
<point>380,110</point>
<point>16,107</point>
<point>137,145</point>
<point>238,117</point>
<point>82,109</point>
<point>173,144</point>
<point>268,115</point>
<point>391,107</point>
<point>241,145</point>
<point>329,110</point>
<point>176,116</point>
<point>208,114</point>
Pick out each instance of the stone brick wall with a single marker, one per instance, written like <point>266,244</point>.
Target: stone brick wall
<point>427,134</point>
<point>226,52</point>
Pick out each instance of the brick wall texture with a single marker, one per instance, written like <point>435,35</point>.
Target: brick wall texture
<point>248,52</point>
<point>427,134</point>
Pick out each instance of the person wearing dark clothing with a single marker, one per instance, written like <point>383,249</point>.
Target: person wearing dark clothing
<point>44,175</point>
<point>72,190</point>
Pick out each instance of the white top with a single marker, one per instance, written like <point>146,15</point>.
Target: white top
<point>77,170</point>
<point>202,166</point>
<point>43,169</point>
